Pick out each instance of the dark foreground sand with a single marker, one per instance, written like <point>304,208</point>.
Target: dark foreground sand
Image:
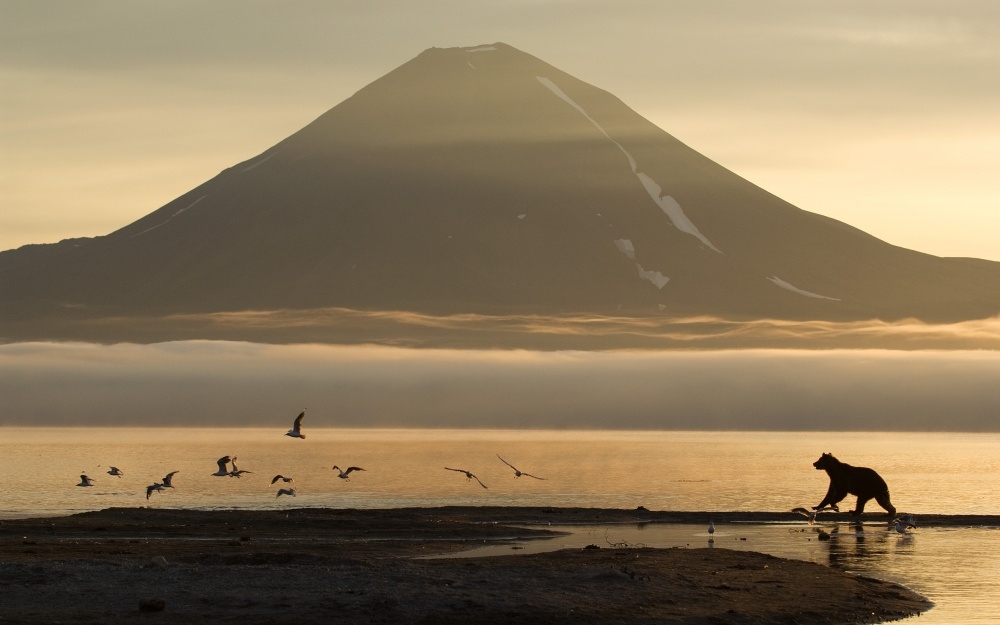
<point>358,566</point>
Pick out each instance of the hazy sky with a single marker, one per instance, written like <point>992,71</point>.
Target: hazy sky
<point>883,115</point>
<point>214,383</point>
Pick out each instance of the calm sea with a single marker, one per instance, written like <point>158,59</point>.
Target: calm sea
<point>710,471</point>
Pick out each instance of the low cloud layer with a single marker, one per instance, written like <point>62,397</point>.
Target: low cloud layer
<point>231,384</point>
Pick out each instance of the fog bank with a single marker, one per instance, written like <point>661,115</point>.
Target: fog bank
<point>215,383</point>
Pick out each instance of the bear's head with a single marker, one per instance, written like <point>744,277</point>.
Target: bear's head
<point>826,461</point>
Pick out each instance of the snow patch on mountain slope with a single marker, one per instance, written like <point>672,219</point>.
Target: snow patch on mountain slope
<point>779,282</point>
<point>626,247</point>
<point>667,204</point>
<point>259,163</point>
<point>481,49</point>
<point>189,206</point>
<point>658,279</point>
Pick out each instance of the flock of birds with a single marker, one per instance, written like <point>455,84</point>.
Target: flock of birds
<point>899,524</point>
<point>227,468</point>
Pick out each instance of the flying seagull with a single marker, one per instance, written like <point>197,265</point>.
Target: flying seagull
<point>518,473</point>
<point>285,491</point>
<point>296,431</point>
<point>237,472</point>
<point>85,481</point>
<point>468,475</point>
<point>344,473</point>
<point>811,514</point>
<point>115,471</point>
<point>902,523</point>
<point>168,478</point>
<point>282,478</point>
<point>155,486</point>
<point>223,463</point>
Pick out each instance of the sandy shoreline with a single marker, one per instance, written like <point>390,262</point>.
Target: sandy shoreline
<point>321,565</point>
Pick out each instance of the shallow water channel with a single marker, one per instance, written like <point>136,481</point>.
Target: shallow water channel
<point>953,567</point>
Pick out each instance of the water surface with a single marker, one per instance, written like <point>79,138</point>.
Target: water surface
<point>708,471</point>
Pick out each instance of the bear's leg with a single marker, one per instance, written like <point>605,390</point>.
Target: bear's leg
<point>883,500</point>
<point>833,497</point>
<point>860,506</point>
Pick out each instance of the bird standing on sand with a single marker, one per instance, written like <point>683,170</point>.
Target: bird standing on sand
<point>518,473</point>
<point>285,491</point>
<point>237,472</point>
<point>343,473</point>
<point>296,431</point>
<point>282,478</point>
<point>469,476</point>
<point>168,479</point>
<point>223,463</point>
<point>711,528</point>
<point>115,471</point>
<point>85,481</point>
<point>155,486</point>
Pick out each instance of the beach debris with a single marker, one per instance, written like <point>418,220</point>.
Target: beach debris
<point>518,473</point>
<point>469,476</point>
<point>115,471</point>
<point>284,479</point>
<point>285,491</point>
<point>85,481</point>
<point>622,544</point>
<point>296,431</point>
<point>344,473</point>
<point>823,535</point>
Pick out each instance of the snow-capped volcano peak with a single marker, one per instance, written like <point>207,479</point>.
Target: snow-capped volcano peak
<point>483,180</point>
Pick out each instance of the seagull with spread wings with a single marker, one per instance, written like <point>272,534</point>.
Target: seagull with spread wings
<point>344,473</point>
<point>237,472</point>
<point>169,478</point>
<point>296,431</point>
<point>223,463</point>
<point>517,472</point>
<point>469,476</point>
<point>152,488</point>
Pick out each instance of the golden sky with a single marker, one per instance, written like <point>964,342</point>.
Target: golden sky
<point>883,115</point>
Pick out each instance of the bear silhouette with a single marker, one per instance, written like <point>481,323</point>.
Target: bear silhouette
<point>850,480</point>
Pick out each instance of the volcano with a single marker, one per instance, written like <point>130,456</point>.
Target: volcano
<point>481,181</point>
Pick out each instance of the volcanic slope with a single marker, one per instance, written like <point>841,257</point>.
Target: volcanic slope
<point>483,180</point>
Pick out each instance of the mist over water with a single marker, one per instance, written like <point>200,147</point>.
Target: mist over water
<point>216,383</point>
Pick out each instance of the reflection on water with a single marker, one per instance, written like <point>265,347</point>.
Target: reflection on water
<point>711,471</point>
<point>735,471</point>
<point>955,568</point>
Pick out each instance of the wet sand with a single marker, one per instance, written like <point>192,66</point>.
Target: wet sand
<point>361,566</point>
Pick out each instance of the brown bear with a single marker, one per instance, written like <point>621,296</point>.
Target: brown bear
<point>846,479</point>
